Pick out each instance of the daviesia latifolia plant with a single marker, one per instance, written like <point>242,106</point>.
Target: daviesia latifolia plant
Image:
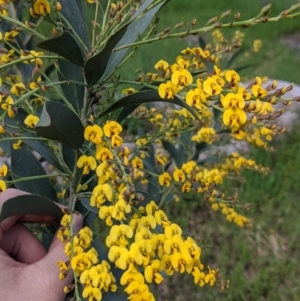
<point>120,150</point>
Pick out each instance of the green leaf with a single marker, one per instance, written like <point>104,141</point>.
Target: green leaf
<point>58,122</point>
<point>95,66</point>
<point>177,154</point>
<point>66,46</point>
<point>30,204</point>
<point>42,149</point>
<point>199,147</point>
<point>72,10</point>
<point>134,30</point>
<point>145,97</point>
<point>25,164</point>
<point>73,93</point>
<point>86,203</point>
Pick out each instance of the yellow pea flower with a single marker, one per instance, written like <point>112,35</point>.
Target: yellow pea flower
<point>18,89</point>
<point>164,179</point>
<point>211,87</point>
<point>195,97</point>
<point>2,186</point>
<point>93,133</point>
<point>152,272</point>
<point>167,90</point>
<point>182,78</point>
<point>3,170</point>
<point>93,293</point>
<point>87,163</point>
<point>103,154</point>
<point>178,175</point>
<point>31,120</point>
<point>116,141</point>
<point>161,65</point>
<point>232,100</point>
<point>112,128</point>
<point>41,7</point>
<point>232,76</point>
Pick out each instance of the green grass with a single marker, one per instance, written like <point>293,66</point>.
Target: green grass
<point>275,60</point>
<point>261,263</point>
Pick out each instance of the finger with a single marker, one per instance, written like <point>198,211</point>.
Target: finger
<point>22,245</point>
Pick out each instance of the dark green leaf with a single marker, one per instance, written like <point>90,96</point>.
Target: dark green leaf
<point>68,156</point>
<point>199,147</point>
<point>238,69</point>
<point>25,164</point>
<point>72,10</point>
<point>95,66</point>
<point>73,93</point>
<point>145,97</point>
<point>43,149</point>
<point>202,42</point>
<point>58,122</point>
<point>134,30</point>
<point>234,57</point>
<point>13,125</point>
<point>175,153</point>
<point>86,203</point>
<point>30,204</point>
<point>126,111</point>
<point>66,46</point>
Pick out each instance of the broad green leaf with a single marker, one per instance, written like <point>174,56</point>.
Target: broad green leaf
<point>235,55</point>
<point>68,156</point>
<point>86,203</point>
<point>24,164</point>
<point>145,97</point>
<point>177,154</point>
<point>66,46</point>
<point>134,30</point>
<point>58,122</point>
<point>74,93</point>
<point>30,204</point>
<point>42,149</point>
<point>95,66</point>
<point>199,147</point>
<point>72,10</point>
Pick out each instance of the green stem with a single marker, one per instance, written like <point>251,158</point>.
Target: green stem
<point>17,22</point>
<point>94,24</point>
<point>29,58</point>
<point>36,178</point>
<point>182,34</point>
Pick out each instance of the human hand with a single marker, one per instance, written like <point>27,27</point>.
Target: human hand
<point>27,271</point>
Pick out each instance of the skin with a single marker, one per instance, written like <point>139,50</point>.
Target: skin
<point>27,271</point>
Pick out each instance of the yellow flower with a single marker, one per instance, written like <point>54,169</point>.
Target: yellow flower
<point>198,51</point>
<point>80,263</point>
<point>120,209</point>
<point>41,7</point>
<point>105,212</point>
<point>178,175</point>
<point>161,65</point>
<point>92,293</point>
<point>31,120</point>
<point>167,90</point>
<point>211,87</point>
<point>234,101</point>
<point>128,91</point>
<point>103,154</point>
<point>195,97</point>
<point>101,193</point>
<point>8,57</point>
<point>234,118</point>
<point>232,77</point>
<point>112,128</point>
<point>182,78</point>
<point>137,163</point>
<point>258,91</point>
<point>164,179</point>
<point>186,187</point>
<point>7,105</point>
<point>93,133</point>
<point>3,170</point>
<point>116,141</point>
<point>87,163</point>
<point>2,186</point>
<point>18,89</point>
<point>152,272</point>
<point>10,36</point>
